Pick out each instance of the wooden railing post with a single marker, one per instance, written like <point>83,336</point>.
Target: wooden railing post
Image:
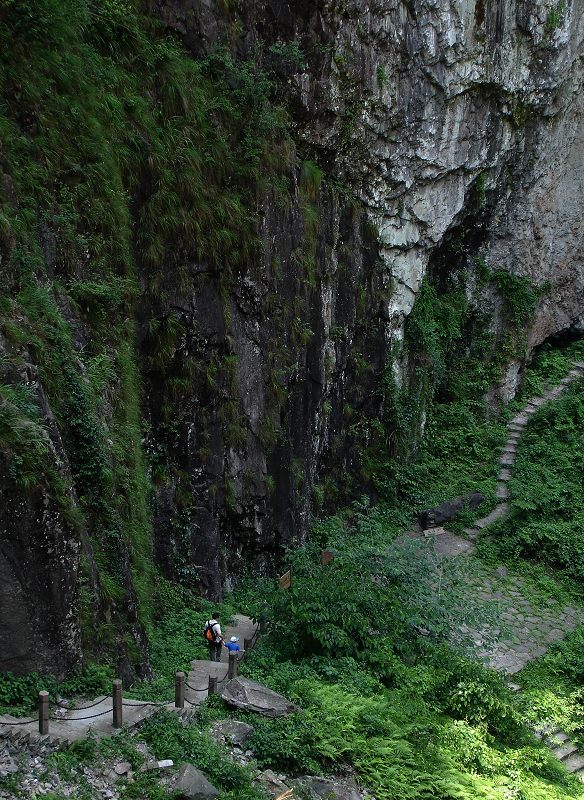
<point>247,645</point>
<point>232,671</point>
<point>43,713</point>
<point>179,690</point>
<point>212,685</point>
<point>117,703</point>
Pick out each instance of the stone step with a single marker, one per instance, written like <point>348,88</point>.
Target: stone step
<point>498,512</point>
<point>502,491</point>
<point>574,763</point>
<point>557,738</point>
<point>510,447</point>
<point>507,459</point>
<point>536,401</point>
<point>555,392</point>
<point>504,475</point>
<point>564,751</point>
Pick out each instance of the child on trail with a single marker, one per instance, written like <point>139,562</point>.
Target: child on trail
<point>232,645</point>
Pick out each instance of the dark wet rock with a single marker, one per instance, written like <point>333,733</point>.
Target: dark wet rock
<point>252,696</point>
<point>232,731</point>
<point>449,509</point>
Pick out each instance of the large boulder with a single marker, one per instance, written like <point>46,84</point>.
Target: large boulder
<point>192,785</point>
<point>252,696</point>
<point>449,509</point>
<point>311,788</point>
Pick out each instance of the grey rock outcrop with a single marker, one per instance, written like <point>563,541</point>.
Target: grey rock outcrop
<point>232,731</point>
<point>312,788</point>
<point>459,128</point>
<point>423,107</point>
<point>193,785</point>
<point>252,696</point>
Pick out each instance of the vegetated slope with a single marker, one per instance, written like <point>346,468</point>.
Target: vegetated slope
<point>546,523</point>
<point>360,644</point>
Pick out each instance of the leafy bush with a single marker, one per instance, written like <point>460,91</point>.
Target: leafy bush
<point>547,495</point>
<point>20,694</point>
<point>168,738</point>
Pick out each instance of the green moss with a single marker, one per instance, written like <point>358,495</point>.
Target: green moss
<point>124,157</point>
<point>555,17</point>
<point>520,297</point>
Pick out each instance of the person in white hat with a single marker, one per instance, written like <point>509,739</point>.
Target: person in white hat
<point>232,645</point>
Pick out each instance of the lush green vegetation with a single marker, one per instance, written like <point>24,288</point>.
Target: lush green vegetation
<point>546,523</point>
<point>453,361</point>
<point>124,159</point>
<point>19,695</point>
<point>554,688</point>
<point>361,646</point>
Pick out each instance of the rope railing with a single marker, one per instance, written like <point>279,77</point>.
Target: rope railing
<point>80,719</point>
<point>118,703</point>
<point>81,708</point>
<point>142,703</point>
<point>192,688</point>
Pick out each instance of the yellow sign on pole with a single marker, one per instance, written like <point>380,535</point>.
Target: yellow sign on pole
<point>285,582</point>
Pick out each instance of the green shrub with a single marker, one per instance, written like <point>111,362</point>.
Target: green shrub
<point>547,497</point>
<point>168,738</point>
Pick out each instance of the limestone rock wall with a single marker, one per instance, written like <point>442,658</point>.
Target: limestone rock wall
<point>445,119</point>
<point>39,555</point>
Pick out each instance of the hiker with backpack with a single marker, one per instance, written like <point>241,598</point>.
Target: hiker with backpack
<point>214,637</point>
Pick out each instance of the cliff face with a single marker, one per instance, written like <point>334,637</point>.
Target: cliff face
<point>448,122</point>
<point>424,108</point>
<point>222,371</point>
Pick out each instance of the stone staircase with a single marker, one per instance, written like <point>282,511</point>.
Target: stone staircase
<point>198,678</point>
<point>450,544</point>
<point>515,428</point>
<point>564,750</point>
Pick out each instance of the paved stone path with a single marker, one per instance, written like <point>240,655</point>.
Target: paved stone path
<point>525,629</point>
<point>76,725</point>
<point>97,715</point>
<point>198,677</point>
